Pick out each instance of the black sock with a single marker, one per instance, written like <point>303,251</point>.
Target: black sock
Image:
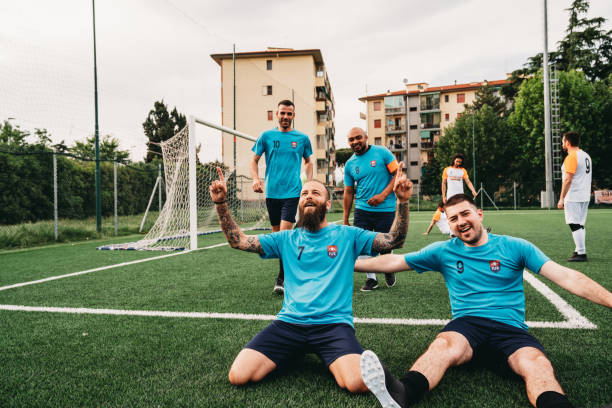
<point>552,399</point>
<point>416,386</point>
<point>281,270</point>
<point>395,388</point>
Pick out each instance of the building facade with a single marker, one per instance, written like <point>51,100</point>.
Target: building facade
<point>410,122</point>
<point>264,78</point>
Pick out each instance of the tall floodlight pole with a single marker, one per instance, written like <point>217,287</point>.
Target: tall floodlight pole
<point>97,132</point>
<point>473,148</point>
<point>547,138</point>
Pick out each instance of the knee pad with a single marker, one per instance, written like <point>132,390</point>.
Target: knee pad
<point>575,227</point>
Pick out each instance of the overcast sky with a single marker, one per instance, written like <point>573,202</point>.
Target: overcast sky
<point>149,50</point>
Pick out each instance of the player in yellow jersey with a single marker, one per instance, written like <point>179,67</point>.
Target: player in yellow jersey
<point>577,170</point>
<point>453,177</point>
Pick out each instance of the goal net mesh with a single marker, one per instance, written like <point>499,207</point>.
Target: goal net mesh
<point>172,227</point>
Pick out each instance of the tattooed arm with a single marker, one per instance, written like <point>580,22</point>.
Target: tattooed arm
<point>235,237</point>
<point>397,235</point>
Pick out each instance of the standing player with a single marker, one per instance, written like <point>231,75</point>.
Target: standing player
<point>452,178</point>
<point>373,169</point>
<point>576,192</point>
<point>317,312</point>
<point>484,276</point>
<point>284,148</point>
<point>439,219</point>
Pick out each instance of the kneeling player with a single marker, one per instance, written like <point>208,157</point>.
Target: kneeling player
<point>317,313</point>
<point>439,220</point>
<point>484,277</point>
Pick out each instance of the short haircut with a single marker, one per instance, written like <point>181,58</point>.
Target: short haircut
<point>572,137</point>
<point>457,156</point>
<point>321,183</point>
<point>286,102</point>
<point>459,198</point>
<point>441,204</point>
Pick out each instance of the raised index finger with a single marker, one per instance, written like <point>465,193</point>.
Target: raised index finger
<point>220,172</point>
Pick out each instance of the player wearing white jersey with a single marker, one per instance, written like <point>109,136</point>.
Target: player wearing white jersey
<point>577,170</point>
<point>439,219</point>
<point>452,178</point>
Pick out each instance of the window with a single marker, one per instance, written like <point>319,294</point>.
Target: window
<point>415,181</point>
<point>414,144</point>
<point>269,65</point>
<point>459,115</point>
<point>461,98</point>
<point>270,116</point>
<point>377,123</point>
<point>321,166</point>
<point>446,117</point>
<point>414,126</point>
<point>266,90</point>
<point>377,141</point>
<point>377,106</point>
<point>413,109</point>
<point>445,98</point>
<point>414,163</point>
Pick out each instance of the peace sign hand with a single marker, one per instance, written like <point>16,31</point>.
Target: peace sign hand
<point>218,188</point>
<point>402,187</point>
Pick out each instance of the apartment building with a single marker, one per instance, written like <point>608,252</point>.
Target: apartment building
<point>410,122</point>
<point>262,79</point>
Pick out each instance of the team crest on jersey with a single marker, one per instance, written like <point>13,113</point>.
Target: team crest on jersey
<point>357,169</point>
<point>373,163</point>
<point>332,251</point>
<point>459,267</point>
<point>294,144</point>
<point>495,265</point>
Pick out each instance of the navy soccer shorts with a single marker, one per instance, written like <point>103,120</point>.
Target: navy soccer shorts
<point>489,334</point>
<point>282,209</point>
<point>374,221</point>
<point>282,341</point>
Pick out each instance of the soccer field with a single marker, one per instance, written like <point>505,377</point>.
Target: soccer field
<point>81,327</point>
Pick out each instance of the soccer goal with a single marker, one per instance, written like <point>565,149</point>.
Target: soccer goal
<point>188,211</point>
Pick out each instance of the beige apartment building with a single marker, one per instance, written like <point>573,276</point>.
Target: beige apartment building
<point>410,122</point>
<point>262,79</point>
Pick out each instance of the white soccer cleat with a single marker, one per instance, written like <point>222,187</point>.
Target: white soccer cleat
<point>373,376</point>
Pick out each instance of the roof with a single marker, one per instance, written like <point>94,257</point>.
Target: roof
<point>444,88</point>
<point>270,53</point>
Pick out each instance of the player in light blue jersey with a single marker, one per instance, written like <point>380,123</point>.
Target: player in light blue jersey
<point>369,175</point>
<point>284,148</point>
<point>484,277</point>
<point>317,313</point>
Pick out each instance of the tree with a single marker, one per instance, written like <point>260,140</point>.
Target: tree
<point>12,136</point>
<point>109,149</point>
<point>342,155</point>
<point>487,95</point>
<point>161,126</point>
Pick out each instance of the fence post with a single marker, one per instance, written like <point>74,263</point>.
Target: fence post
<point>418,197</point>
<point>55,194</point>
<point>115,190</point>
<point>481,191</point>
<point>160,186</point>
<point>514,195</point>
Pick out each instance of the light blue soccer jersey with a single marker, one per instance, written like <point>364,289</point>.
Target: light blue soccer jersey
<point>371,173</point>
<point>484,281</point>
<point>319,269</point>
<point>284,152</point>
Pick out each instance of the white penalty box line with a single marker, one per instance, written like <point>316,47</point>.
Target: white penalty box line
<point>574,320</point>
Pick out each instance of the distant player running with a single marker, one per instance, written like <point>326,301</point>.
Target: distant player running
<point>577,170</point>
<point>439,220</point>
<point>284,148</point>
<point>484,277</point>
<point>453,177</point>
<point>369,175</point>
<point>317,312</point>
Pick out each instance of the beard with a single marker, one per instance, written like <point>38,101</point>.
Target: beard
<point>476,238</point>
<point>311,220</point>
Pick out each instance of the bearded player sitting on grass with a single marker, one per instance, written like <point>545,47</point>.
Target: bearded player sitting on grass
<point>484,276</point>
<point>318,257</point>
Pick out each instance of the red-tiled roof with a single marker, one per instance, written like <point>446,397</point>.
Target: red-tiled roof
<point>316,53</point>
<point>444,88</point>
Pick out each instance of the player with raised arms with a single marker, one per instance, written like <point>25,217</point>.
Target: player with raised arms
<point>484,276</point>
<point>317,312</point>
<point>284,148</point>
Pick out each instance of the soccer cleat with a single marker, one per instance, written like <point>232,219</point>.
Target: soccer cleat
<point>577,258</point>
<point>488,229</point>
<point>370,285</point>
<point>390,279</point>
<point>279,286</point>
<point>389,391</point>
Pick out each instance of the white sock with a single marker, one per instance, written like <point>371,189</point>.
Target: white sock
<point>580,241</point>
<point>368,275</point>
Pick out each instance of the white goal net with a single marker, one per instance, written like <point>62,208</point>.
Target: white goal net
<point>188,212</point>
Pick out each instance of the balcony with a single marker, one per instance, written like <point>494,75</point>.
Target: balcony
<point>391,129</point>
<point>430,126</point>
<point>430,108</point>
<point>320,106</point>
<point>396,147</point>
<point>427,145</point>
<point>395,111</point>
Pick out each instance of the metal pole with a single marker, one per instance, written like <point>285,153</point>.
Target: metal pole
<point>97,131</point>
<point>547,137</point>
<point>514,187</point>
<point>55,194</point>
<point>481,194</point>
<point>234,100</point>
<point>193,215</point>
<point>159,193</point>
<point>115,194</point>
<point>473,148</point>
